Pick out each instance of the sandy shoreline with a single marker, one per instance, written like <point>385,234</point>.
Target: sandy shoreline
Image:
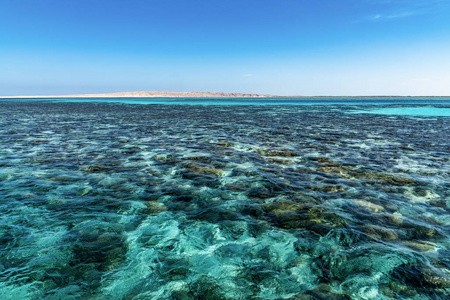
<point>152,95</point>
<point>194,95</point>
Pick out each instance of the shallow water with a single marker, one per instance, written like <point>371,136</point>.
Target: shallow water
<point>116,201</point>
<point>426,111</point>
<point>273,101</point>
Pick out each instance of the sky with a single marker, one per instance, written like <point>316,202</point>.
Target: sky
<point>279,47</point>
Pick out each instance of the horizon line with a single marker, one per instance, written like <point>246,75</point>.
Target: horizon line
<point>175,94</point>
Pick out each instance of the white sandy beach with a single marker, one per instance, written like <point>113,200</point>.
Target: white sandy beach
<point>151,95</point>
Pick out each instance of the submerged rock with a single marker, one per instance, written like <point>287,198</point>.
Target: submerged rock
<point>216,215</point>
<point>280,207</point>
<point>155,207</point>
<point>280,161</point>
<point>395,218</point>
<point>333,170</point>
<point>383,177</point>
<point>224,144</point>
<point>182,295</point>
<point>293,220</point>
<point>323,216</point>
<point>302,297</point>
<point>382,233</point>
<point>369,205</point>
<point>202,168</point>
<point>238,186</point>
<point>103,249</point>
<point>420,245</point>
<point>324,292</point>
<point>402,289</point>
<point>420,277</point>
<point>331,189</point>
<point>206,288</point>
<point>436,280</point>
<point>164,158</point>
<point>95,169</point>
<point>277,152</point>
<point>260,193</point>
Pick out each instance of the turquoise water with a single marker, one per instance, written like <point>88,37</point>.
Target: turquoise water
<point>427,111</point>
<point>116,201</point>
<point>256,101</point>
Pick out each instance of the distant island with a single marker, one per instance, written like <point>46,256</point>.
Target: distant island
<point>154,95</point>
<point>197,95</point>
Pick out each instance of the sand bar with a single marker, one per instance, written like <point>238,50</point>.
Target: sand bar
<point>153,95</point>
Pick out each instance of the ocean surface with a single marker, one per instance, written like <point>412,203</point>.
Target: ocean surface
<point>330,198</point>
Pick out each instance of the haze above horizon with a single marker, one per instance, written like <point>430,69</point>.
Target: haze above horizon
<point>290,47</point>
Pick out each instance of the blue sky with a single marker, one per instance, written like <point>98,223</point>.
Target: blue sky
<point>284,47</point>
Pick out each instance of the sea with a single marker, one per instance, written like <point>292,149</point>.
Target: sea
<point>243,198</point>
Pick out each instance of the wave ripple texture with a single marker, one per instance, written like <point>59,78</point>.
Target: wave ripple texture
<point>116,201</point>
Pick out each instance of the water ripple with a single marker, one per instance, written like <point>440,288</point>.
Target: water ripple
<point>222,202</point>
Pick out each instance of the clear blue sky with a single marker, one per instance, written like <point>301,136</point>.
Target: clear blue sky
<point>285,47</point>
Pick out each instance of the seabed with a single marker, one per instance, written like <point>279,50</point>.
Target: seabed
<point>120,201</point>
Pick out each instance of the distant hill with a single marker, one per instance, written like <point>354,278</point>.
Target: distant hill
<point>155,95</point>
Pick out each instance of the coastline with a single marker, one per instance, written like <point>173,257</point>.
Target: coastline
<point>151,95</point>
<point>198,95</point>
